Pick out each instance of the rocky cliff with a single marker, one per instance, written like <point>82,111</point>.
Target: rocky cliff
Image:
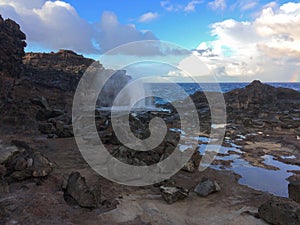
<point>12,43</point>
<point>65,61</point>
<point>61,70</point>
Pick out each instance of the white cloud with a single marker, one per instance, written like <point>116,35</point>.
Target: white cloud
<point>248,5</point>
<point>56,25</point>
<point>218,4</point>
<point>267,48</point>
<point>147,17</point>
<point>190,6</point>
<point>112,33</point>
<point>167,5</point>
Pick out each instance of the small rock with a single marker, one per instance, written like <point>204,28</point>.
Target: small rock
<point>173,194</point>
<point>78,191</point>
<point>46,128</point>
<point>280,212</point>
<point>192,165</point>
<point>206,187</point>
<point>63,130</point>
<point>294,190</point>
<point>40,101</point>
<point>45,114</point>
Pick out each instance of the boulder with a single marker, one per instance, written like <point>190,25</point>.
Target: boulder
<point>206,187</point>
<point>173,194</point>
<point>78,190</point>
<point>24,164</point>
<point>280,212</point>
<point>294,190</point>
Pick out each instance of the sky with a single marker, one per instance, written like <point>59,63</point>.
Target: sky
<point>238,40</point>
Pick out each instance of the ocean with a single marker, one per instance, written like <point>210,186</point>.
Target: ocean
<point>168,93</point>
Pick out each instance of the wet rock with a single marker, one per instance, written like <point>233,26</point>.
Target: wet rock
<point>294,190</point>
<point>21,165</point>
<point>46,128</point>
<point>206,187</point>
<point>280,212</point>
<point>78,191</point>
<point>173,194</point>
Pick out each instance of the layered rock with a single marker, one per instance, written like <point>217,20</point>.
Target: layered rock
<point>11,47</point>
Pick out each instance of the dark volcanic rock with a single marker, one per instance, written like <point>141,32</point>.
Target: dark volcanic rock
<point>11,47</point>
<point>173,194</point>
<point>280,212</point>
<point>294,190</point>
<point>206,187</point>
<point>257,94</point>
<point>78,190</point>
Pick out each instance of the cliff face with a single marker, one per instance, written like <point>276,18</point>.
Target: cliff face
<point>11,48</point>
<point>61,70</point>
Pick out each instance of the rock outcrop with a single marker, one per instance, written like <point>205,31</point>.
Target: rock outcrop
<point>280,212</point>
<point>61,70</point>
<point>257,95</point>
<point>11,47</point>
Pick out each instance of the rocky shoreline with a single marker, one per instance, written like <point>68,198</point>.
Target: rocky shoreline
<point>45,180</point>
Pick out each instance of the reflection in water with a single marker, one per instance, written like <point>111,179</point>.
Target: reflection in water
<point>272,181</point>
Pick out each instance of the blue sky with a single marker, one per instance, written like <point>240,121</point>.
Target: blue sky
<point>238,40</point>
<point>183,27</point>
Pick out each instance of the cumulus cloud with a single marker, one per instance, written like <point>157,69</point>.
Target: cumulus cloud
<point>112,33</point>
<point>56,25</point>
<point>268,47</point>
<point>217,4</point>
<point>147,17</point>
